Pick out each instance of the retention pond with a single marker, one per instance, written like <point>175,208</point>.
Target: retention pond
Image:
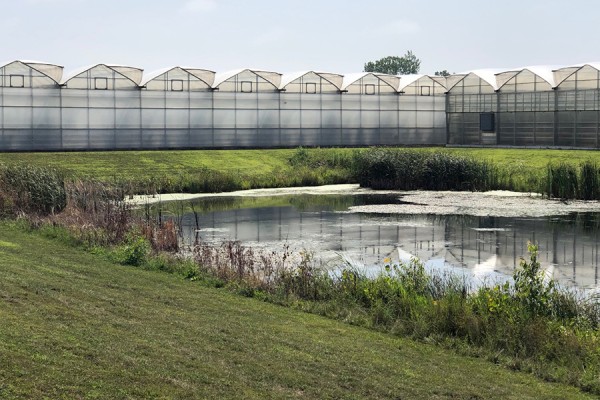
<point>483,235</point>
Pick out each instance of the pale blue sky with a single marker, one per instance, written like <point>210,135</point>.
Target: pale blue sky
<point>290,35</point>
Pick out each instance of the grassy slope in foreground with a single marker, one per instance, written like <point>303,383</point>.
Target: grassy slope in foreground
<point>76,326</point>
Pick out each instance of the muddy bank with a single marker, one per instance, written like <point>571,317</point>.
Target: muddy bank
<point>493,203</point>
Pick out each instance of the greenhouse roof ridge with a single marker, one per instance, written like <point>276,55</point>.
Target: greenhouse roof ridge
<point>546,72</point>
<point>352,78</point>
<point>154,74</point>
<point>56,76</point>
<point>72,74</point>
<point>554,75</point>
<point>289,77</point>
<point>221,77</point>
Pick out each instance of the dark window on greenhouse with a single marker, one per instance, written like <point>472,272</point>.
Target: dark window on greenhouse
<point>246,87</point>
<point>487,122</point>
<point>311,88</point>
<point>100,83</point>
<point>17,81</point>
<point>369,89</point>
<point>176,85</point>
<point>425,91</point>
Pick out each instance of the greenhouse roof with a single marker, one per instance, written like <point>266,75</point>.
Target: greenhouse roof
<point>273,78</point>
<point>546,72</point>
<point>335,79</point>
<point>53,71</point>
<point>391,80</point>
<point>132,73</point>
<point>196,72</point>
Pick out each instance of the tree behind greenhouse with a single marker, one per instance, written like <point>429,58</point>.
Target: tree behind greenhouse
<point>394,65</point>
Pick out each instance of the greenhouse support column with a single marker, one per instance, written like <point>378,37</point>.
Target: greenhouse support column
<point>279,118</point>
<point>164,141</point>
<point>497,116</point>
<point>189,114</point>
<point>447,102</point>
<point>114,93</point>
<point>32,130</point>
<point>597,123</point>
<point>212,111</point>
<point>141,107</point>
<point>60,117</point>
<point>556,95</point>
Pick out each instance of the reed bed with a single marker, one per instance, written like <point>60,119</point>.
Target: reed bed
<point>568,181</point>
<point>418,170</point>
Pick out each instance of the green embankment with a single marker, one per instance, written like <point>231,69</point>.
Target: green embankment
<point>73,325</point>
<point>194,170</point>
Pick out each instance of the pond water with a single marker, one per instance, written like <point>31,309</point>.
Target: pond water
<point>486,248</point>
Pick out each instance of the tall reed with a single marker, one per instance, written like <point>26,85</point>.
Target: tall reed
<point>589,181</point>
<point>411,169</point>
<point>568,181</point>
<point>31,189</point>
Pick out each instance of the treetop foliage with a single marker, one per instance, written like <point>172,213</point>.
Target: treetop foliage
<point>394,65</point>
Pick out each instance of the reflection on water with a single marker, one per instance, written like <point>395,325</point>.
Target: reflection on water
<point>485,246</point>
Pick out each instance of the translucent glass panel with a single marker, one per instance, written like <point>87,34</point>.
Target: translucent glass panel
<point>578,100</point>
<point>100,77</point>
<point>371,85</point>
<point>586,77</point>
<point>177,80</point>
<point>539,101</point>
<point>471,84</point>
<point>46,118</point>
<point>472,103</point>
<point>424,86</point>
<point>19,75</point>
<point>587,129</point>
<point>525,81</point>
<point>111,119</point>
<point>17,97</point>
<point>311,83</point>
<point>463,128</point>
<point>247,82</point>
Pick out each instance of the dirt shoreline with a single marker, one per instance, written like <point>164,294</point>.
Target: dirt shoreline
<point>493,203</point>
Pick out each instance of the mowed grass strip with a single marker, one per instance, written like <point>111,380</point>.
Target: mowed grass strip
<point>148,164</point>
<point>73,325</point>
<point>139,165</point>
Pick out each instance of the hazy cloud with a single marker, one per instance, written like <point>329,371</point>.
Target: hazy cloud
<point>398,27</point>
<point>269,36</point>
<point>199,5</point>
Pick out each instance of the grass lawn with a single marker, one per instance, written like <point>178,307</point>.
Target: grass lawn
<point>258,163</point>
<point>127,164</point>
<point>73,325</point>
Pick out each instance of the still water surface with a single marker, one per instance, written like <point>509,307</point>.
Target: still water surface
<point>486,248</point>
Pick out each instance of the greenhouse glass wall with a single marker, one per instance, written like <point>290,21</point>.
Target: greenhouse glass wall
<point>106,107</point>
<point>533,106</point>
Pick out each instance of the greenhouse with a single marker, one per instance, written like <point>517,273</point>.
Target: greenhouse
<point>107,106</point>
<point>532,106</point>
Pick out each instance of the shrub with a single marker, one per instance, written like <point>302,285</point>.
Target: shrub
<point>134,252</point>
